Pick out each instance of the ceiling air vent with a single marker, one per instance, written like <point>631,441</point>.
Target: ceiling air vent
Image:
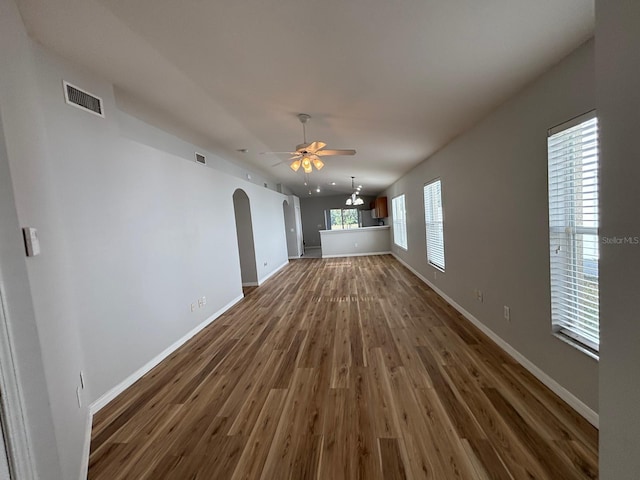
<point>84,100</point>
<point>201,159</point>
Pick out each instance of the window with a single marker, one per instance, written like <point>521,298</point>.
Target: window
<point>399,221</point>
<point>435,223</point>
<point>573,230</point>
<point>343,218</point>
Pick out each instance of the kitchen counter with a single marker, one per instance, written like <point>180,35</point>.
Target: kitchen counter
<point>356,241</point>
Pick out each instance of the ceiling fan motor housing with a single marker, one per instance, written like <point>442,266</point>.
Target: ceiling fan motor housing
<point>301,148</point>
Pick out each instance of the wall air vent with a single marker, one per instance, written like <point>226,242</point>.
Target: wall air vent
<point>84,100</point>
<point>201,159</point>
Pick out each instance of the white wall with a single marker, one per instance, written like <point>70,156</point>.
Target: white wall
<point>355,242</point>
<point>132,233</point>
<point>26,393</point>
<point>24,138</point>
<point>494,188</point>
<point>4,460</point>
<point>618,101</point>
<point>139,111</point>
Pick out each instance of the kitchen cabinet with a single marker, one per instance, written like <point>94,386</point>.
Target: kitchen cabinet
<point>379,208</point>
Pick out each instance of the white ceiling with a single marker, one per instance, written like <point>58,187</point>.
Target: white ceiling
<point>396,80</point>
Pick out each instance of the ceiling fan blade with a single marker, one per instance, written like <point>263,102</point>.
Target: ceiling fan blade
<point>278,153</point>
<point>324,153</point>
<point>315,146</point>
<point>296,156</point>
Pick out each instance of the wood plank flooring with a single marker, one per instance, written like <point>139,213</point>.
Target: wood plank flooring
<point>346,368</point>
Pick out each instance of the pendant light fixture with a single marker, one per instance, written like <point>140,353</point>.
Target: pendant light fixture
<point>354,198</point>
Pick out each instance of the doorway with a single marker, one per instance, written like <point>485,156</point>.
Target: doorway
<point>290,229</point>
<point>244,233</point>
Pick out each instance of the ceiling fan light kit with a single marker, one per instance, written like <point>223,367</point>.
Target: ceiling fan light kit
<point>306,165</point>
<point>307,155</point>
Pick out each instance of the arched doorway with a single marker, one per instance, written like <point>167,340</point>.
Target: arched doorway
<point>244,233</point>
<point>290,229</point>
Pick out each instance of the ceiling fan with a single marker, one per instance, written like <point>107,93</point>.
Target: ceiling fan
<point>308,154</point>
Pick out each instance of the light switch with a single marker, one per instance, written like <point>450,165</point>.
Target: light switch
<point>31,241</point>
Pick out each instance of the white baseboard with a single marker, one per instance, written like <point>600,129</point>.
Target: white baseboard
<point>268,276</point>
<point>135,376</point>
<point>356,254</point>
<point>575,403</point>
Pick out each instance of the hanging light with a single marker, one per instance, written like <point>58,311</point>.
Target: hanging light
<point>317,163</point>
<point>354,198</point>
<point>295,165</point>
<point>306,165</point>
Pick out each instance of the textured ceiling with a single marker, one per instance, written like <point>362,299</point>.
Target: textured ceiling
<point>396,80</point>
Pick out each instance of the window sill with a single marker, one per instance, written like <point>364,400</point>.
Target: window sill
<point>441,270</point>
<point>575,344</point>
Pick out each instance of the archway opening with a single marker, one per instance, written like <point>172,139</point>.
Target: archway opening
<point>244,233</point>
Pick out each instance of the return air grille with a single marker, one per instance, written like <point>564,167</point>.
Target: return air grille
<point>83,100</point>
<point>201,159</point>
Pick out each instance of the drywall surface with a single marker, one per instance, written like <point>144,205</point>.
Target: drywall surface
<point>131,233</point>
<point>357,241</point>
<point>312,212</point>
<point>23,137</point>
<point>618,102</point>
<point>494,191</point>
<point>182,143</point>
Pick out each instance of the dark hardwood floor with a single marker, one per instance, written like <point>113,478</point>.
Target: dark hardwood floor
<point>345,368</point>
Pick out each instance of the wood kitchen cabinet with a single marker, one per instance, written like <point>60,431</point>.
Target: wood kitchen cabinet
<point>379,208</point>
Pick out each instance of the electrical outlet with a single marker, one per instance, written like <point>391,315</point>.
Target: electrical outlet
<point>193,307</point>
<point>355,244</point>
<point>200,304</point>
<point>204,300</point>
<point>480,296</point>
<point>265,264</point>
<point>507,313</point>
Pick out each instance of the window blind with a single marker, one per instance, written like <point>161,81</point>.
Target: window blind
<point>399,221</point>
<point>434,223</point>
<point>573,230</point>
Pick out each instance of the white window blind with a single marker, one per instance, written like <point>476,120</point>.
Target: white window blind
<point>399,221</point>
<point>573,229</point>
<point>434,223</point>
